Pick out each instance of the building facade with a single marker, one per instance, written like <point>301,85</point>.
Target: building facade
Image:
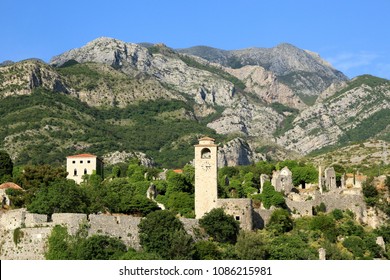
<point>83,164</point>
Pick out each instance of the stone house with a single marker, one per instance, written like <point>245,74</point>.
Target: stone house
<point>83,164</point>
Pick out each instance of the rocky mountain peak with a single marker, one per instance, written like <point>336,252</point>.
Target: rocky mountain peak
<point>108,51</point>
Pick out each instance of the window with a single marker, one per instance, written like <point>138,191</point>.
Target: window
<point>73,161</point>
<point>205,153</point>
<point>237,218</point>
<point>88,161</point>
<point>81,161</point>
<point>85,171</point>
<point>75,172</point>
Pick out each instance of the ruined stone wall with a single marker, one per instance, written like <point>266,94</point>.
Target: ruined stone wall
<point>240,208</point>
<point>123,227</point>
<point>34,229</point>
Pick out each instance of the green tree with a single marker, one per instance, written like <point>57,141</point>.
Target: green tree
<point>62,196</point>
<point>326,225</point>
<point>6,166</point>
<point>132,254</point>
<point>207,250</point>
<point>355,245</point>
<point>182,203</point>
<point>60,245</point>
<point>220,226</point>
<point>251,245</point>
<point>370,195</point>
<point>280,221</point>
<point>264,167</point>
<point>270,197</point>
<point>162,233</point>
<point>291,247</point>
<point>99,247</point>
<point>304,174</point>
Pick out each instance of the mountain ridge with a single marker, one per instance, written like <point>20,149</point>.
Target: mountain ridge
<point>109,76</point>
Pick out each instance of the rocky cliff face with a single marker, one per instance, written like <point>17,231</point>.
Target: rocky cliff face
<point>266,86</point>
<point>133,60</point>
<point>324,123</point>
<point>22,78</point>
<point>303,71</point>
<point>236,152</point>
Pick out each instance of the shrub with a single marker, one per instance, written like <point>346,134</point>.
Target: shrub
<point>220,226</point>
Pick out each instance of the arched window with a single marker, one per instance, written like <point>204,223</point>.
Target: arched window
<point>85,171</point>
<point>205,153</point>
<point>75,172</point>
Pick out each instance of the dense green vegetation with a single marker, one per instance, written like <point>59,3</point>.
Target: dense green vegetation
<point>162,234</point>
<point>6,166</point>
<point>47,127</point>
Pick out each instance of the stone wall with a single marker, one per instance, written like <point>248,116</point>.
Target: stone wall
<point>240,208</point>
<point>34,230</point>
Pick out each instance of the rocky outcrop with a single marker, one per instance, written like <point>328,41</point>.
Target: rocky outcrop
<point>133,59</point>
<point>23,77</point>
<point>247,119</point>
<point>266,86</point>
<point>118,157</point>
<point>235,152</point>
<point>302,71</point>
<point>324,123</point>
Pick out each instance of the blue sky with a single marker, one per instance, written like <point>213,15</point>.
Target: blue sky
<point>354,36</point>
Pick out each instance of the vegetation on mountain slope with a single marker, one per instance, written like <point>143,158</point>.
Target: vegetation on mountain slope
<point>46,127</point>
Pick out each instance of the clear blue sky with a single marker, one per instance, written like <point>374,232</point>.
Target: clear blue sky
<point>353,35</point>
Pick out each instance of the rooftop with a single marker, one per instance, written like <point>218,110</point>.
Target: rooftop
<point>81,156</point>
<point>10,185</point>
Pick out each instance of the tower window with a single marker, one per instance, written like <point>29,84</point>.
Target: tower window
<point>81,161</point>
<point>73,161</point>
<point>85,171</point>
<point>237,218</point>
<point>205,153</point>
<point>88,161</point>
<point>75,172</point>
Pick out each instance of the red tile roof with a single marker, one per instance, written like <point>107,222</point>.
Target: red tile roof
<point>10,185</point>
<point>81,156</point>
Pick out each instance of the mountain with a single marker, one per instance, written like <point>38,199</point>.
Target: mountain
<point>303,71</point>
<point>111,96</point>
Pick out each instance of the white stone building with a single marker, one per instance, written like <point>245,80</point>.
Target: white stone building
<point>83,164</point>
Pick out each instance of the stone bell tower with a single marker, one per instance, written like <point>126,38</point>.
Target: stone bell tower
<point>206,193</point>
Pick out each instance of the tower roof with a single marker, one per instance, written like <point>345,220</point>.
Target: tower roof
<point>208,141</point>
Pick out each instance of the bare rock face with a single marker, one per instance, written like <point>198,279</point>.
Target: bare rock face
<point>133,59</point>
<point>108,51</point>
<point>235,152</point>
<point>266,86</point>
<point>324,123</point>
<point>302,71</point>
<point>118,157</point>
<point>247,119</point>
<point>23,77</point>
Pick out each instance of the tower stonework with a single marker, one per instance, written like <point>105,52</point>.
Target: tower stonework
<point>206,169</point>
